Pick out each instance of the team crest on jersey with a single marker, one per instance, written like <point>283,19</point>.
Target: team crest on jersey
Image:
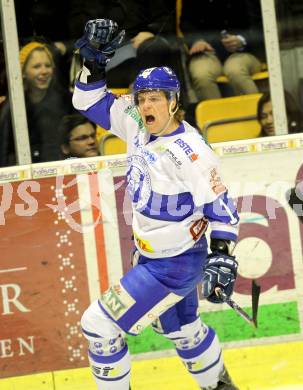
<point>138,181</point>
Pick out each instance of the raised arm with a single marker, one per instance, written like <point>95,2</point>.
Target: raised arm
<point>97,46</point>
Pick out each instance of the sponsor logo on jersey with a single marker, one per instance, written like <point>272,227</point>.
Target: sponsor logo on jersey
<point>116,300</point>
<point>215,182</point>
<point>107,371</point>
<point>187,149</point>
<point>133,113</point>
<point>193,366</point>
<point>144,244</point>
<point>173,158</point>
<point>194,157</point>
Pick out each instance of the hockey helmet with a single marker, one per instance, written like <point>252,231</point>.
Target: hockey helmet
<point>161,78</point>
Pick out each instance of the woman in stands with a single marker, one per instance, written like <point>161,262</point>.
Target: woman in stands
<point>46,103</point>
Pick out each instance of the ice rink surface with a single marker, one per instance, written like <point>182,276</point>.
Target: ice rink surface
<point>276,367</point>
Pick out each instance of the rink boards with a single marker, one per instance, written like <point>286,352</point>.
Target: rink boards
<point>66,236</point>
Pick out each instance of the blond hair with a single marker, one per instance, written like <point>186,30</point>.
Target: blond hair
<point>27,50</point>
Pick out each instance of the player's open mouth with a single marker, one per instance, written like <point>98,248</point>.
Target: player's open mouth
<point>149,119</point>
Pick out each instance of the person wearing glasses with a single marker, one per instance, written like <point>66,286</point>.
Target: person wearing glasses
<point>78,137</point>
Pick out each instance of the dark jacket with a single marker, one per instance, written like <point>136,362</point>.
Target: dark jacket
<point>43,121</point>
<point>205,19</point>
<point>47,18</point>
<point>156,16</point>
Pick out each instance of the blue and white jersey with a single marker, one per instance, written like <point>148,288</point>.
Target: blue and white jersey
<point>173,180</point>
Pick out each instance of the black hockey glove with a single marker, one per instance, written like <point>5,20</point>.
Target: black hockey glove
<point>220,270</point>
<point>100,40</point>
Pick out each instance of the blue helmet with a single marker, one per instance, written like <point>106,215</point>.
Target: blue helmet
<point>161,78</point>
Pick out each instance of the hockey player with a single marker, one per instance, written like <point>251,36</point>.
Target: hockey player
<point>176,191</point>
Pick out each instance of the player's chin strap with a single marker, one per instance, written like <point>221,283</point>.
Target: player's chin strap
<point>171,117</point>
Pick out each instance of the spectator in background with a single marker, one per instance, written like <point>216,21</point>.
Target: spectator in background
<point>78,137</point>
<point>46,103</point>
<point>56,23</point>
<point>265,116</point>
<point>47,21</point>
<point>150,26</point>
<point>266,119</point>
<point>222,42</point>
